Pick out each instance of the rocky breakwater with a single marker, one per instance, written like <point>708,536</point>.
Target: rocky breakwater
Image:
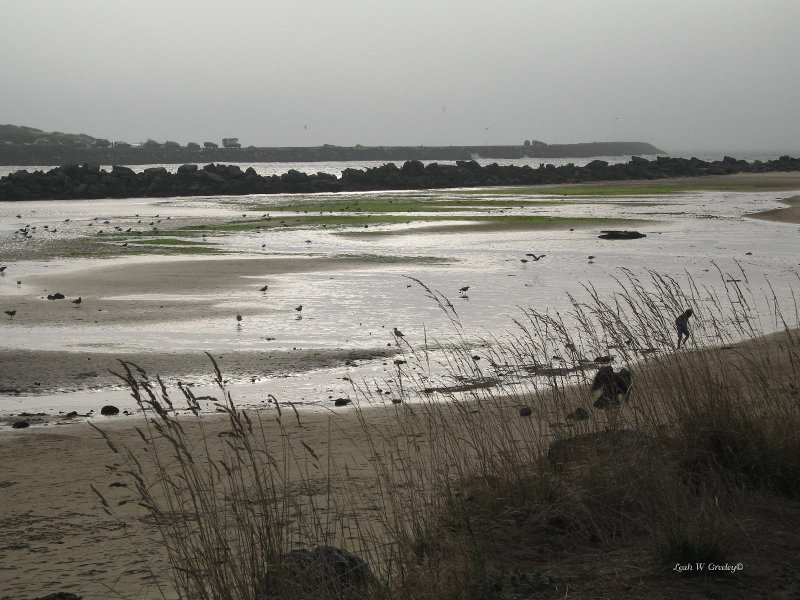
<point>90,181</point>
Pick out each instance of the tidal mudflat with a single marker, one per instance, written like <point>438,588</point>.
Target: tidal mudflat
<point>161,281</point>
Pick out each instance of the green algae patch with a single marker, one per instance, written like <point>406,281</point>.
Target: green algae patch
<point>166,241</point>
<point>296,221</point>
<point>649,189</point>
<point>353,204</point>
<point>489,223</point>
<point>390,259</point>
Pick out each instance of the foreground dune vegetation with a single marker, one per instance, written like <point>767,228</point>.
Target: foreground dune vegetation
<point>487,471</point>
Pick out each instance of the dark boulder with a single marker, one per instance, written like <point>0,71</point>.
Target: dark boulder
<point>525,411</point>
<point>342,401</point>
<point>156,171</point>
<point>109,410</point>
<point>579,414</point>
<point>324,572</point>
<point>20,424</point>
<point>121,171</point>
<point>187,168</point>
<point>60,596</point>
<point>620,235</point>
<point>56,296</point>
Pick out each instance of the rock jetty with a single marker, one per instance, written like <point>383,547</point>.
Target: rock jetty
<point>90,181</point>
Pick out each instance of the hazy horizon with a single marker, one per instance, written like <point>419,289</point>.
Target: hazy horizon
<point>706,77</point>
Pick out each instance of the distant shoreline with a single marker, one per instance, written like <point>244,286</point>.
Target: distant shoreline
<point>54,154</point>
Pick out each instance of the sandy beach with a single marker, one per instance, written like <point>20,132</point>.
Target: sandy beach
<point>55,535</point>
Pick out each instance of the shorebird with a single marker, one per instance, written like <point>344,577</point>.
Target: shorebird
<point>77,300</point>
<point>11,313</point>
<point>3,268</point>
<point>239,318</point>
<point>299,308</point>
<point>463,290</point>
<point>524,261</point>
<point>263,289</point>
<point>397,333</point>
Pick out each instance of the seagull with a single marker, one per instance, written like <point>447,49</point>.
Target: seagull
<point>76,301</point>
<point>397,333</point>
<point>535,258</point>
<point>11,313</point>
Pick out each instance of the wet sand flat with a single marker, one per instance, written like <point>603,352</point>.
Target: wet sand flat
<point>190,287</point>
<point>790,214</point>
<point>42,371</point>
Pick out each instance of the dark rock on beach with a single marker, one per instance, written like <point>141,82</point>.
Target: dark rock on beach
<point>60,596</point>
<point>109,410</point>
<point>20,424</point>
<point>620,235</point>
<point>89,181</point>
<point>326,570</point>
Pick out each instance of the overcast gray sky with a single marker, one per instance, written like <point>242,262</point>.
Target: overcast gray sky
<point>716,75</point>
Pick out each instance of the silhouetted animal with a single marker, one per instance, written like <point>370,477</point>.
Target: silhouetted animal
<point>612,385</point>
<point>10,313</point>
